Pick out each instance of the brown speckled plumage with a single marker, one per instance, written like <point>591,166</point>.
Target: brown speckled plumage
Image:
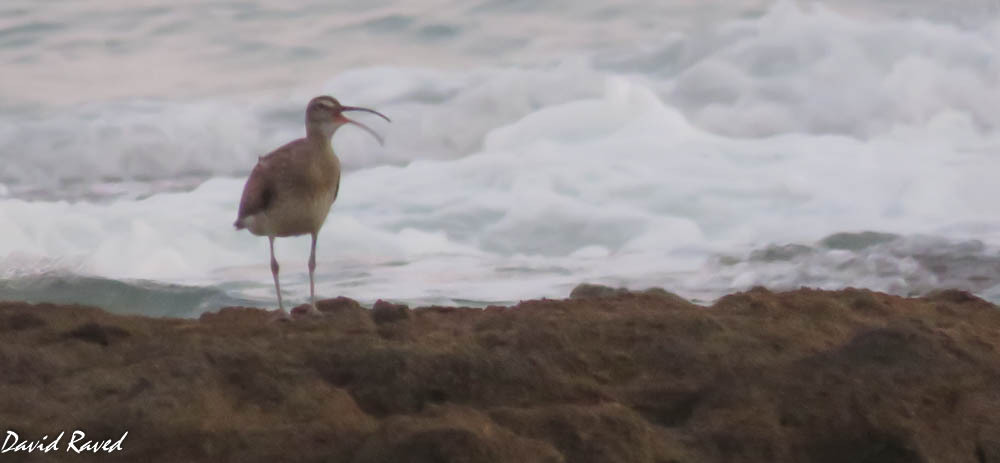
<point>290,191</point>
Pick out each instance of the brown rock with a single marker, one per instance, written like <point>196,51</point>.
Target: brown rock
<point>452,435</point>
<point>387,312</point>
<point>97,333</point>
<point>670,297</point>
<point>592,291</point>
<point>20,321</point>
<point>800,376</point>
<point>346,314</point>
<point>606,433</point>
<point>237,315</point>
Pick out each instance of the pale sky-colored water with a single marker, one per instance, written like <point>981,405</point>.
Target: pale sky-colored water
<point>67,52</point>
<point>72,52</point>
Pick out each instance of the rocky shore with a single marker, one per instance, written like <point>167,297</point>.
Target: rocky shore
<point>605,376</point>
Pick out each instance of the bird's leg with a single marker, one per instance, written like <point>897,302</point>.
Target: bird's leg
<point>312,269</point>
<point>274,273</point>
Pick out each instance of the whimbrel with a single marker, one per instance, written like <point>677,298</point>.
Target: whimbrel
<point>290,191</point>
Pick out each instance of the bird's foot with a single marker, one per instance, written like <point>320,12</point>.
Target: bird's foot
<point>280,315</point>
<point>306,310</point>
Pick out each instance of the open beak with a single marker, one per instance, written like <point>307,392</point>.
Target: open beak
<point>365,127</point>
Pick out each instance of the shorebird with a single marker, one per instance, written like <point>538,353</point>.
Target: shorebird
<point>290,191</point>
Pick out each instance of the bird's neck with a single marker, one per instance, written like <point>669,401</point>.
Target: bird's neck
<point>320,133</point>
<point>325,129</point>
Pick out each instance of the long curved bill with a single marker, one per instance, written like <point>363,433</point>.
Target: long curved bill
<point>365,127</point>
<point>357,108</point>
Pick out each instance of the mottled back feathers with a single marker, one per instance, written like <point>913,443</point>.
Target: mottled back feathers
<point>301,171</point>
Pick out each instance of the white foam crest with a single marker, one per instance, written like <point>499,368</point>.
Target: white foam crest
<point>627,166</point>
<point>183,237</point>
<point>447,114</point>
<point>794,69</point>
<point>810,69</point>
<point>129,140</point>
<point>502,184</point>
<point>911,265</point>
<point>437,115</point>
<point>624,192</point>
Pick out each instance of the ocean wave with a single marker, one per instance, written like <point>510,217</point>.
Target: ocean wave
<point>619,186</point>
<point>636,166</point>
<point>789,70</point>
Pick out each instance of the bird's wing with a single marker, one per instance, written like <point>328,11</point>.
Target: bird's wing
<point>260,189</point>
<point>257,193</point>
<point>336,187</point>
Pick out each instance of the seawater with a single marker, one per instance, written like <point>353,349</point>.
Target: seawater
<point>703,147</point>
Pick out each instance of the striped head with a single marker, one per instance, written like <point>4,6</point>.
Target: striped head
<point>324,115</point>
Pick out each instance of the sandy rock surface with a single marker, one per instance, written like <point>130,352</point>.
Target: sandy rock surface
<point>606,376</point>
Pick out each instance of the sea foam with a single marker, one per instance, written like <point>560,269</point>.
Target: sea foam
<point>673,164</point>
